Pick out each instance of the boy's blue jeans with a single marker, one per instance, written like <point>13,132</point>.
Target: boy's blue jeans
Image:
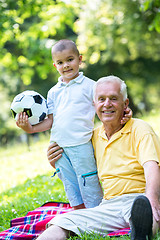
<point>77,169</point>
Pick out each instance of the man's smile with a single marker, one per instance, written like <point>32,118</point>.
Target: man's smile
<point>108,111</point>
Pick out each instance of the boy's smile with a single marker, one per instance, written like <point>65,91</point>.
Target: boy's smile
<point>67,63</point>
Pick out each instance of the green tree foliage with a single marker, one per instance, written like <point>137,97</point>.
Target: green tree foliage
<point>28,28</point>
<point>114,37</point>
<point>151,10</point>
<point>117,32</point>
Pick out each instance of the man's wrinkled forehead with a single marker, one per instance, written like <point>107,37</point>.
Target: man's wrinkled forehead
<point>105,88</point>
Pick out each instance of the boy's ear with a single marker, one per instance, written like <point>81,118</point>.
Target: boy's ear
<point>80,59</point>
<point>54,65</point>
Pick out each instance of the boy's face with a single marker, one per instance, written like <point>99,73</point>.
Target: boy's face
<point>67,63</point>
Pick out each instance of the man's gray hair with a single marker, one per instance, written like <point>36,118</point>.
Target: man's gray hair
<point>112,78</point>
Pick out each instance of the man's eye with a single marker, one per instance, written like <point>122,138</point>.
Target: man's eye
<point>114,98</point>
<point>101,99</point>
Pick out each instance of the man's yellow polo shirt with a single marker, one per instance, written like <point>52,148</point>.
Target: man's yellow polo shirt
<point>120,159</point>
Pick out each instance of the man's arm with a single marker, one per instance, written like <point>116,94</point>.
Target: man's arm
<point>152,176</point>
<point>54,153</point>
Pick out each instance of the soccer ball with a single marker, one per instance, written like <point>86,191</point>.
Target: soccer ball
<point>31,102</point>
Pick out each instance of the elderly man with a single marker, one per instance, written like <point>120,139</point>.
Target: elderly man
<point>128,159</point>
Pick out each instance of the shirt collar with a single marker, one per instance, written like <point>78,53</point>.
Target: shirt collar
<point>78,79</point>
<point>127,127</point>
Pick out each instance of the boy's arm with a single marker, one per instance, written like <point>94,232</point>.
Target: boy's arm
<point>22,122</point>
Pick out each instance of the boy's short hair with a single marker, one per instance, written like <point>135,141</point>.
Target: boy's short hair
<point>62,45</point>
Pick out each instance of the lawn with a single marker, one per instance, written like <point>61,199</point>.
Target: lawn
<point>26,182</point>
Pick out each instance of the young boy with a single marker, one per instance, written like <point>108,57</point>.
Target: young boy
<point>71,119</point>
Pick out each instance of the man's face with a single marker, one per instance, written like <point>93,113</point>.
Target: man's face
<point>109,102</point>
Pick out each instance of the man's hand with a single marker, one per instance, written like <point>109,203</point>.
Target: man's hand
<point>22,122</point>
<point>127,115</point>
<point>54,153</point>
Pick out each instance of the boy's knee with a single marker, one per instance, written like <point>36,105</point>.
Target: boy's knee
<point>54,233</point>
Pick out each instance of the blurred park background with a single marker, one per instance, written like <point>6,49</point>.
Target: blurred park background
<point>119,37</point>
<point>115,37</point>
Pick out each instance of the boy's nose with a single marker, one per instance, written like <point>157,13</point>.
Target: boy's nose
<point>66,64</point>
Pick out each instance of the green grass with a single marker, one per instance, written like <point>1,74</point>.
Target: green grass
<point>26,182</point>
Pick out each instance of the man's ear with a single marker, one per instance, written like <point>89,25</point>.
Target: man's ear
<point>54,65</point>
<point>126,103</point>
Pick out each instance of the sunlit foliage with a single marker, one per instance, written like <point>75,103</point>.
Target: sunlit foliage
<point>114,37</point>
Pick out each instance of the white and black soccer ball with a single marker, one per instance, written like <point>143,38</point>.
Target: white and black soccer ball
<point>31,102</point>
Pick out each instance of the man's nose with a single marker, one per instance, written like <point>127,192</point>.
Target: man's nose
<point>107,102</point>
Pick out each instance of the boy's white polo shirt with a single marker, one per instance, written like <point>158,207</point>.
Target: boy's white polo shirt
<point>73,111</point>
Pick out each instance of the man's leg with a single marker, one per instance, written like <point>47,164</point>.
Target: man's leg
<point>141,219</point>
<point>54,233</point>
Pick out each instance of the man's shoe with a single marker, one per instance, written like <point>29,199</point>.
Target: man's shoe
<point>141,219</point>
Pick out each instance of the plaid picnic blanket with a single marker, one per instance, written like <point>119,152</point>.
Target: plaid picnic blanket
<point>33,224</point>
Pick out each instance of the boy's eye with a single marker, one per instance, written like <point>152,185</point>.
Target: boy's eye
<point>59,63</point>
<point>70,59</point>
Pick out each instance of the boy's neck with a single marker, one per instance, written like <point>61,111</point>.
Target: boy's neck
<point>67,81</point>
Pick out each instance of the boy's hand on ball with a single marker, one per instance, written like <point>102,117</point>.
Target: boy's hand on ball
<point>22,122</point>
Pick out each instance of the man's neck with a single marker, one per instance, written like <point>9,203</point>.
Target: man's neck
<point>110,129</point>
